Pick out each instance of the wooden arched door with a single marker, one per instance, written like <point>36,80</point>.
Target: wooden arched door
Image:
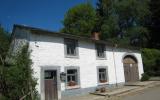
<point>130,69</point>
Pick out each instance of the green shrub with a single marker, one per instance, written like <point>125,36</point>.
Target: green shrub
<point>151,61</point>
<point>18,78</point>
<point>145,77</point>
<point>3,97</point>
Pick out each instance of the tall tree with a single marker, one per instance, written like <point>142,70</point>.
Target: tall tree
<point>4,43</point>
<point>79,20</point>
<point>124,19</point>
<point>155,23</point>
<point>107,19</point>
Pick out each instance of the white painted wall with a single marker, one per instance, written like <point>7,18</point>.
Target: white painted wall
<point>49,51</point>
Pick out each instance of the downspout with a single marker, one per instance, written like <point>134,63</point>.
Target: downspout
<point>115,46</point>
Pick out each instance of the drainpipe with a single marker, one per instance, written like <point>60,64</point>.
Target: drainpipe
<point>115,46</point>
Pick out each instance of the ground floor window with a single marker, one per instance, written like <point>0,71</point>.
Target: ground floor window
<point>72,77</point>
<point>102,75</point>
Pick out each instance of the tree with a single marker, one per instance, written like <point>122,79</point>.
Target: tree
<point>4,44</point>
<point>151,61</point>
<point>107,19</point>
<point>154,25</point>
<point>79,20</point>
<point>123,19</point>
<point>18,78</point>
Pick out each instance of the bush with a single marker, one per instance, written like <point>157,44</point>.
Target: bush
<point>151,61</point>
<point>18,78</point>
<point>145,77</point>
<point>2,97</point>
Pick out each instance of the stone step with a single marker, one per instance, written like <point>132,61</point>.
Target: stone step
<point>116,91</point>
<point>138,83</point>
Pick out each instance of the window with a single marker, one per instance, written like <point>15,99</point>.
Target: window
<point>100,50</point>
<point>50,74</point>
<point>70,47</point>
<point>102,75</point>
<point>72,77</point>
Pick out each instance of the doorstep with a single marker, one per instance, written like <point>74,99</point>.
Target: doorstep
<point>116,91</point>
<point>139,83</point>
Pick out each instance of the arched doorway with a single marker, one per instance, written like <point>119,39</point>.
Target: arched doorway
<point>130,69</point>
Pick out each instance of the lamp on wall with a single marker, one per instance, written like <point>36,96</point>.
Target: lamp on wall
<point>63,76</point>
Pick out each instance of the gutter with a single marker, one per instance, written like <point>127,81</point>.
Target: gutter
<point>115,46</point>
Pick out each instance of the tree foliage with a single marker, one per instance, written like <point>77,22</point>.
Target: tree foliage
<point>154,25</point>
<point>18,77</point>
<point>16,80</point>
<point>123,19</point>
<point>145,77</point>
<point>107,19</point>
<point>79,20</point>
<point>151,61</point>
<point>4,43</point>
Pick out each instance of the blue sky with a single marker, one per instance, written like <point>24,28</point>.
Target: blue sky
<point>46,14</point>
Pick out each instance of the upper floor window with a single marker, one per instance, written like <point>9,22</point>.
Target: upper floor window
<point>100,50</point>
<point>71,47</point>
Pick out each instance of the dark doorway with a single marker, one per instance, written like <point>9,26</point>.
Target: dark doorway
<point>130,69</point>
<point>50,85</point>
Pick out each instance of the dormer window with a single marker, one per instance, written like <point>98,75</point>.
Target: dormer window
<point>71,47</point>
<point>100,48</point>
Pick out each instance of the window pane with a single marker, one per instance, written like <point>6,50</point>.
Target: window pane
<point>73,78</point>
<point>50,75</point>
<point>68,50</point>
<point>103,76</point>
<point>100,76</point>
<point>102,70</point>
<point>71,71</point>
<point>68,78</point>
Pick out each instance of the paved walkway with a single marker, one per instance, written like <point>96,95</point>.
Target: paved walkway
<point>149,94</point>
<point>120,93</point>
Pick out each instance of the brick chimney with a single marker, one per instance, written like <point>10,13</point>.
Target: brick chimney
<point>96,35</point>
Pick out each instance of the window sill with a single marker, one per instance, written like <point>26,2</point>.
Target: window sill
<point>98,58</point>
<point>72,87</point>
<point>105,83</point>
<point>71,56</point>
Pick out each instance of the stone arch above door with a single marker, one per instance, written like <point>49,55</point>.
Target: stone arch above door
<point>130,65</point>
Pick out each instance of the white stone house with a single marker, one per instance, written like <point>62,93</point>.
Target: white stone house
<point>68,65</point>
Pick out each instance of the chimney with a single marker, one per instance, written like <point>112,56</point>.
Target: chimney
<point>96,36</point>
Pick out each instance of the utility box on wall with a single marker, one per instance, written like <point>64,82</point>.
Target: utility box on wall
<point>63,77</point>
